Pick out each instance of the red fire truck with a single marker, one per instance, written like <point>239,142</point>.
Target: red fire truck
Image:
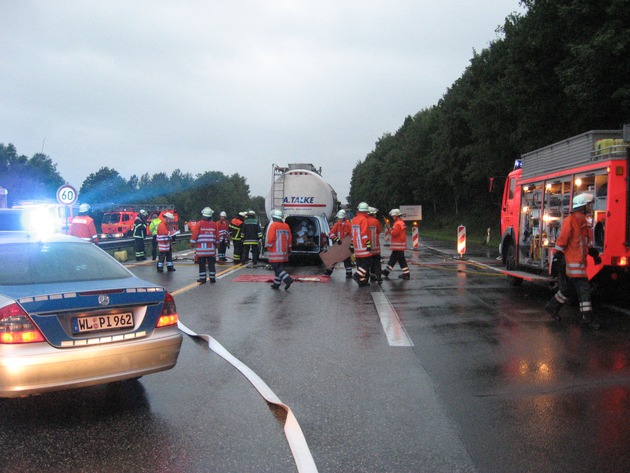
<point>118,222</point>
<point>538,195</point>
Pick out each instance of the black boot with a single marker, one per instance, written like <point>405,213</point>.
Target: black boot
<point>553,307</point>
<point>588,321</point>
<point>287,283</point>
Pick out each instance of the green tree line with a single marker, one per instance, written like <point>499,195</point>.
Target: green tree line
<point>37,178</point>
<point>557,70</point>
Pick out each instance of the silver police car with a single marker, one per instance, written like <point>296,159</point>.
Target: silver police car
<point>72,316</point>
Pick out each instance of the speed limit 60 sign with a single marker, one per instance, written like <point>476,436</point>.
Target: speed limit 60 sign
<point>67,195</point>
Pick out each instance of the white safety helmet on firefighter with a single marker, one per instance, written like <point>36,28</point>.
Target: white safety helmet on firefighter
<point>143,213</point>
<point>582,200</point>
<point>372,211</point>
<point>242,214</point>
<point>83,208</point>
<point>251,213</point>
<point>341,214</point>
<point>169,215</point>
<point>277,214</point>
<point>222,214</point>
<point>207,212</point>
<point>363,207</point>
<point>395,212</point>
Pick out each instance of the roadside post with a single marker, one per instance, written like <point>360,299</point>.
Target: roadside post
<point>461,241</point>
<point>414,236</point>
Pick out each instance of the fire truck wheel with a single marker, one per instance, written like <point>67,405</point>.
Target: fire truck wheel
<point>510,265</point>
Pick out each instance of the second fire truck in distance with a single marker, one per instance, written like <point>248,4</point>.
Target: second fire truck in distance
<point>118,222</point>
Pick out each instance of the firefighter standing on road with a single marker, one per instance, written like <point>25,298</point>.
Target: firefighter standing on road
<point>236,234</point>
<point>375,227</point>
<point>165,240</point>
<point>341,229</point>
<point>153,228</point>
<point>204,241</point>
<point>398,245</point>
<point>252,235</point>
<point>361,245</point>
<point>575,244</point>
<point>223,235</point>
<point>82,225</point>
<point>139,234</point>
<point>278,241</point>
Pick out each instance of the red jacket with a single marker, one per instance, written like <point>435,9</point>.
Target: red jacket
<point>398,233</point>
<point>375,227</point>
<point>574,241</point>
<point>223,231</point>
<point>361,236</point>
<point>163,237</point>
<point>204,238</point>
<point>341,229</point>
<point>82,226</point>
<point>278,242</point>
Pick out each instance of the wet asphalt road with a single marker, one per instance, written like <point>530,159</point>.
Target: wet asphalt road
<point>488,382</point>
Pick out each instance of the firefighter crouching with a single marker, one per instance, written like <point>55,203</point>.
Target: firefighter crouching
<point>573,245</point>
<point>204,241</point>
<point>165,241</point>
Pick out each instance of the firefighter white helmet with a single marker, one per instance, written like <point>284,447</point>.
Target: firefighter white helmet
<point>143,213</point>
<point>207,212</point>
<point>222,214</point>
<point>169,215</point>
<point>84,208</point>
<point>395,212</point>
<point>582,200</point>
<point>363,207</point>
<point>276,214</point>
<point>372,211</point>
<point>341,214</point>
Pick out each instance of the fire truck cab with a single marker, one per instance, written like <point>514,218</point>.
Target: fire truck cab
<point>119,222</point>
<point>538,195</point>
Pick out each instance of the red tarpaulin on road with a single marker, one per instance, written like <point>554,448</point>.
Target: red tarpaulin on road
<point>269,278</point>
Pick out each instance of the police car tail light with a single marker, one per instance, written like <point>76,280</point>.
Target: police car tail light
<point>17,327</point>
<point>169,314</point>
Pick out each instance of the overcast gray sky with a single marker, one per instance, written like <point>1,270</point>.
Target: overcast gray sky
<point>231,86</point>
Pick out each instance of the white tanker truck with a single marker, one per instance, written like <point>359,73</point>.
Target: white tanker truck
<point>308,203</point>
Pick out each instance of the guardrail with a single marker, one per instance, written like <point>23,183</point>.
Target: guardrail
<point>115,245</point>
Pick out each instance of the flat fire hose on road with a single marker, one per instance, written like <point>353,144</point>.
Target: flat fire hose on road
<point>299,448</point>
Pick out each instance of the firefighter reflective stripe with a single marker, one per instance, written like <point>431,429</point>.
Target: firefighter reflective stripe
<point>574,242</point>
<point>399,236</point>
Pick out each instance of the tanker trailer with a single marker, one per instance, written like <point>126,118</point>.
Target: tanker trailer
<point>308,203</point>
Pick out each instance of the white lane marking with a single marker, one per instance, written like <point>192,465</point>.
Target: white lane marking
<point>394,330</point>
<point>301,453</point>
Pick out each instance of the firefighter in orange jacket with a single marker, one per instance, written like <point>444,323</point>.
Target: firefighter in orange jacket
<point>278,243</point>
<point>204,240</point>
<point>82,225</point>
<point>398,245</point>
<point>574,243</point>
<point>375,227</point>
<point>341,229</point>
<point>362,245</point>
<point>164,240</point>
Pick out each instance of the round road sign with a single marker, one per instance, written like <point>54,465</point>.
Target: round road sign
<point>67,195</point>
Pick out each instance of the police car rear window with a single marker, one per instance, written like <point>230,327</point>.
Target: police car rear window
<point>56,262</point>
